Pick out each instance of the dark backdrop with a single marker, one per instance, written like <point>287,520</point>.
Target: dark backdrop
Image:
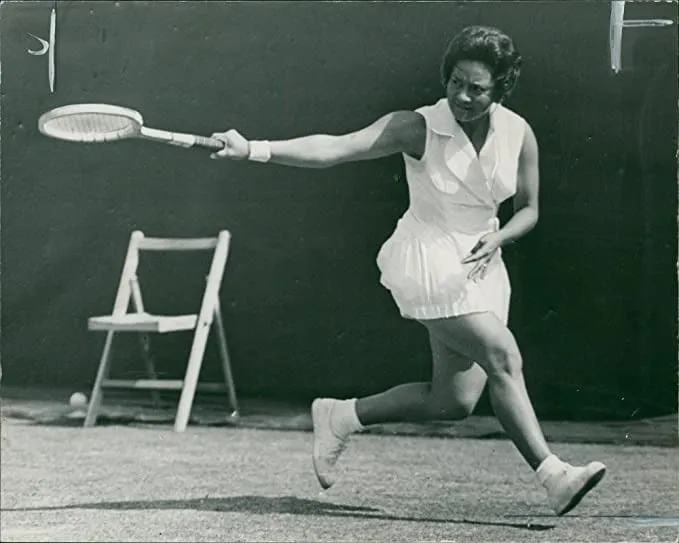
<point>594,285</point>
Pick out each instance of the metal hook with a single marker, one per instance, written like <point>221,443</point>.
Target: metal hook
<point>45,46</point>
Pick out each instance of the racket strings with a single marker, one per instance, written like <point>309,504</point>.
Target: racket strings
<point>91,126</point>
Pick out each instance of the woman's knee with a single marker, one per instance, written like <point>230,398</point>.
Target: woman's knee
<point>481,337</point>
<point>452,406</point>
<point>503,360</point>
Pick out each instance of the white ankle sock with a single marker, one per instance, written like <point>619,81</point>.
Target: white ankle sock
<point>345,418</point>
<point>550,465</point>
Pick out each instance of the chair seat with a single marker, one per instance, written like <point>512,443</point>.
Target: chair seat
<point>142,322</point>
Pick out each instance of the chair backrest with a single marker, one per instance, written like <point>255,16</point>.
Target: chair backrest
<point>177,244</point>
<point>128,287</point>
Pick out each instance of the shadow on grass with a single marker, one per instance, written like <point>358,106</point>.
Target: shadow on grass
<point>289,505</point>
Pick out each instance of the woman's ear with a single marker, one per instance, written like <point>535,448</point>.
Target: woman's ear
<point>444,81</point>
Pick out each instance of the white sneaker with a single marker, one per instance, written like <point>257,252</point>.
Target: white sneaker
<point>567,487</point>
<point>328,446</point>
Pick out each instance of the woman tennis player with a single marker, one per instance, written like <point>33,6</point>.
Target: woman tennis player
<point>463,155</point>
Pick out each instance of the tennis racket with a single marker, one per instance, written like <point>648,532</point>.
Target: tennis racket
<point>96,123</point>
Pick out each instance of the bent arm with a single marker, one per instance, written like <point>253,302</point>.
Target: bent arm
<point>526,204</point>
<point>396,132</point>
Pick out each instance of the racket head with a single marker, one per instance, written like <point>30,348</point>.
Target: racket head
<point>90,123</point>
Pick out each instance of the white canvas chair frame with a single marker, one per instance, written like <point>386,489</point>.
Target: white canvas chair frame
<point>144,323</point>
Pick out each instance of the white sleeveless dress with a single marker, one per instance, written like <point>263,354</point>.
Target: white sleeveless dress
<point>454,197</point>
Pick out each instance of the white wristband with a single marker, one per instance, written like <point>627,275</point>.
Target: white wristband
<point>260,151</point>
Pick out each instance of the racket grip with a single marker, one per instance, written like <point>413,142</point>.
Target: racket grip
<point>180,139</point>
<point>210,143</point>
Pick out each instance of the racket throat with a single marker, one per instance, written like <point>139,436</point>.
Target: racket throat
<point>173,138</point>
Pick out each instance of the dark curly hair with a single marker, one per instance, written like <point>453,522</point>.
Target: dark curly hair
<point>490,46</point>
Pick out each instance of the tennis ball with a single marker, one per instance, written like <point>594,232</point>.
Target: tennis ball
<point>78,399</point>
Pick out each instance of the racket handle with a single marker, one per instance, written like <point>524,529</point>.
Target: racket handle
<point>210,143</point>
<point>180,139</point>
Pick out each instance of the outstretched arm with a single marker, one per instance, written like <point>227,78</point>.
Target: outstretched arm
<point>397,132</point>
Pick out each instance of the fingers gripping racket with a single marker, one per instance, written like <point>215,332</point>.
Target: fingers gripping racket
<point>96,123</point>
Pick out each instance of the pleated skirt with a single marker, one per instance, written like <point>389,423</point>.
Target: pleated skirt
<point>421,265</point>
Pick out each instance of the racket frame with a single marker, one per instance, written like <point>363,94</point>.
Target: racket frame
<point>135,128</point>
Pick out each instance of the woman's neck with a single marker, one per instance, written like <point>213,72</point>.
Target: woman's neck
<point>476,127</point>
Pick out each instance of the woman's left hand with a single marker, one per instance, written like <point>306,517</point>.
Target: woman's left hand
<point>482,253</point>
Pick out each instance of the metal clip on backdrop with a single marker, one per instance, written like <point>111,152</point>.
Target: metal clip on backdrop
<point>618,22</point>
<point>48,47</point>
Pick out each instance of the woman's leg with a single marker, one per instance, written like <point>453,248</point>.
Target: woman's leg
<point>452,394</point>
<point>485,338</point>
<point>455,388</point>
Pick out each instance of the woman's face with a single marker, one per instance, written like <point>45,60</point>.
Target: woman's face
<point>469,90</point>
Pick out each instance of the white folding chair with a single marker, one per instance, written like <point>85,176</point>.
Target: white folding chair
<point>144,323</point>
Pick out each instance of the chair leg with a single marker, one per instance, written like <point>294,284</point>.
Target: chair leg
<point>97,393</point>
<point>145,341</point>
<point>191,376</point>
<point>226,362</point>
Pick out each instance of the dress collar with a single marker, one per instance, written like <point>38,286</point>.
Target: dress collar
<point>444,123</point>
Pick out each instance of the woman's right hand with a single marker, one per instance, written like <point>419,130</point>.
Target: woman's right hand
<point>236,147</point>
